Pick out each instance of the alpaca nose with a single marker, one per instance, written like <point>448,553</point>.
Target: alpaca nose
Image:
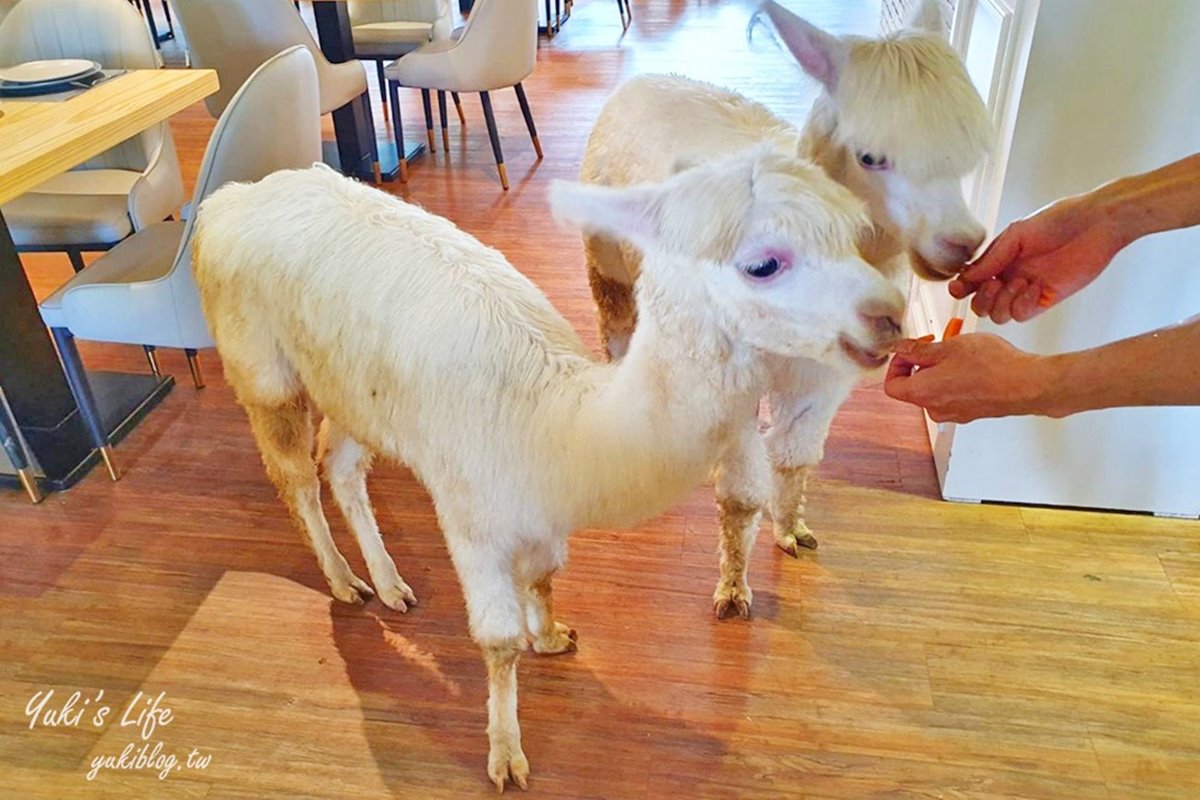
<point>961,246</point>
<point>883,318</point>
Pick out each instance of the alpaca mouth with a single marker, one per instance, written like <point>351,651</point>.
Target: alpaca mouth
<point>864,357</point>
<point>927,270</point>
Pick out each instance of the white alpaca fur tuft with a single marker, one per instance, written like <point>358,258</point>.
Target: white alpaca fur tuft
<point>418,343</point>
<point>907,102</point>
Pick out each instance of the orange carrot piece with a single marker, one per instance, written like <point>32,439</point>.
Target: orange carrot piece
<point>953,328</point>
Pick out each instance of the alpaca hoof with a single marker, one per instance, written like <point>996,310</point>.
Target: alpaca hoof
<point>397,596</point>
<point>563,640</point>
<point>732,598</point>
<point>791,543</point>
<point>351,589</point>
<point>505,762</point>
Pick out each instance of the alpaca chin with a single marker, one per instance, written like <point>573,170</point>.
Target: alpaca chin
<point>925,269</point>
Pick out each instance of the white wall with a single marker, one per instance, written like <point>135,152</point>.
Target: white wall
<point>1112,87</point>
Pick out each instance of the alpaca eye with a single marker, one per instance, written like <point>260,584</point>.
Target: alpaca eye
<point>762,269</point>
<point>871,161</point>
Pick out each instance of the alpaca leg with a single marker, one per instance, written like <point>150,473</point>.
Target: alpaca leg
<point>803,403</point>
<point>741,488</point>
<point>494,612</point>
<point>346,464</point>
<point>285,437</point>
<point>549,636</point>
<point>611,276</point>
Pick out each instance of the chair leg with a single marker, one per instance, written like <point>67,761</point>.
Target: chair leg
<point>445,126</point>
<point>15,448</point>
<point>76,260</point>
<point>486,100</point>
<point>194,365</point>
<point>428,119</point>
<point>167,12</point>
<point>462,118</point>
<point>537,146</point>
<point>149,14</point>
<point>398,128</point>
<point>383,98</point>
<point>77,380</point>
<point>152,357</point>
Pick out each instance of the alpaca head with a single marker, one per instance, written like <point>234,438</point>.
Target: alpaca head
<point>762,244</point>
<point>907,126</point>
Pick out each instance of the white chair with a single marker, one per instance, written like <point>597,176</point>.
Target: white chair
<point>142,291</point>
<point>121,191</point>
<point>384,30</point>
<point>235,37</point>
<point>497,49</point>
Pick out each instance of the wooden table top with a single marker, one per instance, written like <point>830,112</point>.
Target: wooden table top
<point>40,138</point>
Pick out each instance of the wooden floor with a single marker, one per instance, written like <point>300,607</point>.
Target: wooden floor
<point>925,650</point>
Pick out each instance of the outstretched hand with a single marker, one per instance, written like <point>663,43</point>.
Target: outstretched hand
<point>968,377</point>
<point>1041,260</point>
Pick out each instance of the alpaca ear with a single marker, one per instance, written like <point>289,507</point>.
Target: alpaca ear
<point>820,55</point>
<point>931,16</point>
<point>629,213</point>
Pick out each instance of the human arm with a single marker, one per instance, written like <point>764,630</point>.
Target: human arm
<point>981,375</point>
<point>1041,260</point>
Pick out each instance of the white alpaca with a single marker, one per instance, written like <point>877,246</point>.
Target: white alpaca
<point>898,123</point>
<point>420,344</point>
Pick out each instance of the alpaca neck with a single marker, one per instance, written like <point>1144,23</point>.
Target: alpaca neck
<point>651,427</point>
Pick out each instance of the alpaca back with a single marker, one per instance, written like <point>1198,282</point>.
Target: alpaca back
<point>402,328</point>
<point>652,123</point>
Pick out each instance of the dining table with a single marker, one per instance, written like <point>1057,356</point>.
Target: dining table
<point>41,137</point>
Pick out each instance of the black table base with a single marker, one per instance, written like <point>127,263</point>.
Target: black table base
<point>123,399</point>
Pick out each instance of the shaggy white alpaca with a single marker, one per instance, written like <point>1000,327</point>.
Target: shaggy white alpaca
<point>420,344</point>
<point>898,123</point>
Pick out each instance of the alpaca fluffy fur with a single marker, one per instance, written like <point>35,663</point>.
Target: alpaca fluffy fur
<point>905,97</point>
<point>420,344</point>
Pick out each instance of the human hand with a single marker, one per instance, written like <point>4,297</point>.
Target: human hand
<point>968,377</point>
<point>1041,260</point>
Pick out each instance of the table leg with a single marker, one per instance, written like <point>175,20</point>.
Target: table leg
<point>353,125</point>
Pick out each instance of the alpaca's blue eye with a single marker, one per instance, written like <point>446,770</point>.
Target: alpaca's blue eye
<point>762,269</point>
<point>872,161</point>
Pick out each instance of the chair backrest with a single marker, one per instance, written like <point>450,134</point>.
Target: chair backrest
<point>234,37</point>
<point>499,42</point>
<point>435,12</point>
<point>110,32</point>
<point>273,122</point>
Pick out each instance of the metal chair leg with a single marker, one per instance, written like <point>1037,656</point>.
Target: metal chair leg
<point>194,365</point>
<point>76,260</point>
<point>167,12</point>
<point>152,357</point>
<point>382,77</point>
<point>10,439</point>
<point>445,126</point>
<point>462,118</point>
<point>428,119</point>
<point>77,380</point>
<point>490,118</point>
<point>537,146</point>
<point>398,128</point>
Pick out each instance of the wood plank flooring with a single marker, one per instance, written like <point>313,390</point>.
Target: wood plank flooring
<point>925,650</point>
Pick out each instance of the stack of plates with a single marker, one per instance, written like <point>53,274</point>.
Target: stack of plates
<point>47,77</point>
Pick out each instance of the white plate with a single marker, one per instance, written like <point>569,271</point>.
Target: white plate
<point>59,69</point>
